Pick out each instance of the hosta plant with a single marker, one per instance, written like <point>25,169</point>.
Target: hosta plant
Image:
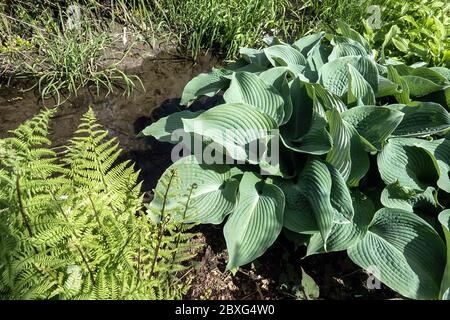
<point>364,157</point>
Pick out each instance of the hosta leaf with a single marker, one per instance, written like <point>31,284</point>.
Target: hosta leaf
<point>403,89</point>
<point>328,100</point>
<point>307,43</point>
<point>164,127</point>
<point>256,221</point>
<point>334,75</point>
<point>445,72</point>
<point>343,236</point>
<point>348,32</point>
<point>285,55</point>
<point>403,161</point>
<point>205,84</point>
<point>408,253</point>
<point>233,126</point>
<point>248,88</point>
<point>316,58</point>
<point>343,47</point>
<point>322,191</point>
<point>213,195</point>
<point>298,215</point>
<point>360,91</point>
<point>277,77</point>
<point>419,86</point>
<point>398,197</point>
<point>347,154</point>
<point>375,124</point>
<point>386,87</point>
<point>444,219</point>
<point>306,130</point>
<point>425,118</point>
<point>439,150</point>
<point>254,56</point>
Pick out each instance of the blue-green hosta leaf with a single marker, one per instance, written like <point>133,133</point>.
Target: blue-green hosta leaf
<point>277,77</point>
<point>164,127</point>
<point>397,196</point>
<point>287,56</point>
<point>348,32</point>
<point>343,47</point>
<point>403,90</point>
<point>316,58</point>
<point>250,89</point>
<point>256,221</point>
<point>334,75</point>
<point>212,198</point>
<point>343,236</point>
<point>347,154</point>
<point>205,84</point>
<point>233,126</point>
<point>319,194</point>
<point>328,100</point>
<point>278,160</point>
<point>442,97</point>
<point>439,150</point>
<point>425,118</point>
<point>375,124</point>
<point>254,56</point>
<point>444,219</point>
<point>359,92</point>
<point>403,161</point>
<point>298,215</point>
<point>419,86</point>
<point>306,130</point>
<point>445,72</point>
<point>307,43</point>
<point>422,72</point>
<point>407,252</point>
<point>386,87</point>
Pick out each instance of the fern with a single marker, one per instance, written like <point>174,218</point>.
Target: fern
<point>72,224</point>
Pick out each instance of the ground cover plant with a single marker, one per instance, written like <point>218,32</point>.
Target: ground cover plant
<point>364,157</point>
<point>412,31</point>
<point>72,221</point>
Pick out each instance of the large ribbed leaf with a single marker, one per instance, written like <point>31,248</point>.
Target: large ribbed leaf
<point>359,92</point>
<point>375,124</point>
<point>343,47</point>
<point>404,161</point>
<point>287,56</point>
<point>205,84</point>
<point>426,118</point>
<point>164,127</point>
<point>277,77</point>
<point>399,197</point>
<point>328,100</point>
<point>343,236</point>
<point>298,215</point>
<point>403,90</point>
<point>408,253</point>
<point>233,126</point>
<point>250,89</point>
<point>334,75</point>
<point>444,219</point>
<point>439,150</point>
<point>307,43</point>
<point>347,154</point>
<point>348,32</point>
<point>213,194</point>
<point>256,221</point>
<point>254,56</point>
<point>386,87</point>
<point>419,86</point>
<point>306,130</point>
<point>322,192</point>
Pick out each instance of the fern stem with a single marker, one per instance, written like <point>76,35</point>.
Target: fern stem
<point>161,226</point>
<point>22,206</point>
<point>178,238</point>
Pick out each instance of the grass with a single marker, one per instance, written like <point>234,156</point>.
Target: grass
<point>36,44</point>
